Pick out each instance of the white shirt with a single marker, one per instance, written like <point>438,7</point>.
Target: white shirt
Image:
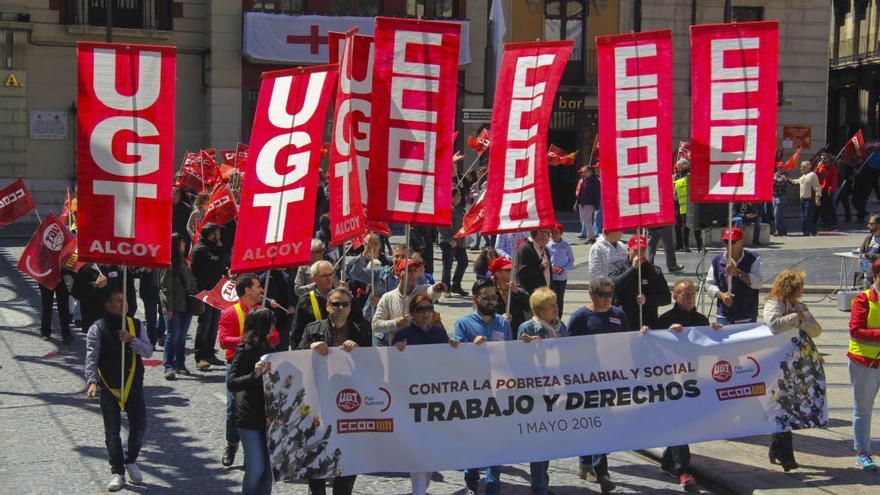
<point>603,254</point>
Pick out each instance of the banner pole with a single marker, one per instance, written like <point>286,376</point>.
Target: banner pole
<point>729,245</point>
<point>202,167</point>
<point>406,265</point>
<point>590,161</point>
<point>266,288</point>
<point>122,344</point>
<point>477,159</point>
<point>509,288</point>
<point>639,254</point>
<point>39,220</point>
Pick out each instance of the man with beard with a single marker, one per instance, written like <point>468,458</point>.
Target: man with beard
<point>483,325</point>
<point>106,343</point>
<point>208,268</point>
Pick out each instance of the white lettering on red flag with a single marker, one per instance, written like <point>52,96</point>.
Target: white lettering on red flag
<point>635,129</point>
<point>347,217</point>
<point>125,160</point>
<point>221,296</point>
<point>413,121</point>
<point>15,202</point>
<point>734,73</point>
<point>518,189</point>
<point>41,257</point>
<point>281,178</point>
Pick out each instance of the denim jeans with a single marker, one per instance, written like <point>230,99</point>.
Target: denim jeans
<point>174,354</point>
<point>380,340</point>
<point>808,206</point>
<point>493,479</point>
<point>257,473</point>
<point>779,221</point>
<point>137,426</point>
<point>232,437</point>
<point>540,478</point>
<point>597,223</point>
<point>866,383</point>
<point>206,333</point>
<point>599,463</point>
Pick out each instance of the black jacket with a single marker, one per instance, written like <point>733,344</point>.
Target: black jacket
<point>626,287</point>
<point>248,405</point>
<point>305,314</point>
<point>520,311</point>
<point>208,264</point>
<point>91,297</point>
<point>684,318</point>
<point>529,272</point>
<point>359,330</point>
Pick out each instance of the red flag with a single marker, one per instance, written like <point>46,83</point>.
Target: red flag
<point>66,212</point>
<point>221,207</point>
<point>414,101</point>
<point>480,143</point>
<point>40,258</point>
<point>191,178</point>
<point>222,296</point>
<point>792,162</point>
<point>684,151</point>
<point>635,127</point>
<point>855,147</point>
<point>125,163</point>
<point>594,153</point>
<point>347,216</point>
<point>357,82</point>
<point>241,155</point>
<point>734,73</point>
<point>15,202</point>
<point>473,219</point>
<point>558,156</point>
<point>518,187</point>
<point>69,258</point>
<point>280,207</point>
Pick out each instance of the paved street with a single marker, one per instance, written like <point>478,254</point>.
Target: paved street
<point>53,436</point>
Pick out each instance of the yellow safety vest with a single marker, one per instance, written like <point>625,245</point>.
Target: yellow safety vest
<point>681,194</point>
<point>864,349</point>
<point>124,396</point>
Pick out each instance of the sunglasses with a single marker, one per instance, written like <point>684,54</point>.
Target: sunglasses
<point>489,298</point>
<point>424,309</point>
<point>602,294</point>
<point>340,304</point>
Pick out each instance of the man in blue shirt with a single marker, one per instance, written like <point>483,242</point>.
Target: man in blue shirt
<point>483,325</point>
<point>598,317</point>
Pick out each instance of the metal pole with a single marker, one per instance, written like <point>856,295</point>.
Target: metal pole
<point>108,4</point>
<point>509,288</point>
<point>406,265</point>
<point>124,321</point>
<point>639,254</point>
<point>477,159</point>
<point>729,245</point>
<point>266,289</point>
<point>40,220</point>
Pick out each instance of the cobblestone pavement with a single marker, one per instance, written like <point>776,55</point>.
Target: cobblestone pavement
<point>52,436</point>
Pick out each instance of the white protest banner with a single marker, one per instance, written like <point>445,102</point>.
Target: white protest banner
<point>433,407</point>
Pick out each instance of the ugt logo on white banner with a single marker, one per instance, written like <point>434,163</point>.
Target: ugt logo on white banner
<point>278,194</point>
<point>126,152</point>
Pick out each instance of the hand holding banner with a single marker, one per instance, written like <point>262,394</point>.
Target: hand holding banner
<point>734,73</point>
<point>518,188</point>
<point>280,207</point>
<point>414,89</point>
<point>635,129</point>
<point>125,161</point>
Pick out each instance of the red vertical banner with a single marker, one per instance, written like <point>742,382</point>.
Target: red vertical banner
<point>347,217</point>
<point>635,129</point>
<point>518,188</point>
<point>280,183</point>
<point>415,76</point>
<point>125,159</point>
<point>734,74</point>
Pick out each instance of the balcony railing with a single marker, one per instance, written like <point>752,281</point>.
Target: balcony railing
<point>853,50</point>
<point>132,14</point>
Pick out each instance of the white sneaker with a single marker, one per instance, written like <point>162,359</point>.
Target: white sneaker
<point>117,482</point>
<point>134,473</point>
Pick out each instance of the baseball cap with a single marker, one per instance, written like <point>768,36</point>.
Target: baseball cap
<point>499,264</point>
<point>733,234</point>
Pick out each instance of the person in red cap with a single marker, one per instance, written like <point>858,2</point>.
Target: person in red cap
<point>651,292</point>
<point>739,303</point>
<point>392,312</point>
<point>519,299</point>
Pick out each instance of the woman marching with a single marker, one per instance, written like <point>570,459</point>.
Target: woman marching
<point>783,311</point>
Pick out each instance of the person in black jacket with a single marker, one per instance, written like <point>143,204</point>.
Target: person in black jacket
<point>519,310</point>
<point>248,407</point>
<point>533,262</point>
<point>90,286</point>
<point>312,305</point>
<point>677,460</point>
<point>624,274</point>
<point>208,267</point>
<point>453,249</point>
<point>280,290</point>
<point>342,329</point>
<point>422,240</point>
<point>180,212</point>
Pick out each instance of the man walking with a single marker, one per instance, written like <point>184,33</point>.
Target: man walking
<point>808,183</point>
<point>107,341</point>
<point>208,268</point>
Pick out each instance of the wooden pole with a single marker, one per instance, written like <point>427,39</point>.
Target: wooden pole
<point>122,344</point>
<point>639,254</point>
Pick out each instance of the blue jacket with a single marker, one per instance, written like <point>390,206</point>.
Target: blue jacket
<point>535,329</point>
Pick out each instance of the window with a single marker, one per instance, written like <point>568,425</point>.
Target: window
<point>566,20</point>
<point>356,7</point>
<point>432,9</point>
<point>747,14</point>
<point>132,14</point>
